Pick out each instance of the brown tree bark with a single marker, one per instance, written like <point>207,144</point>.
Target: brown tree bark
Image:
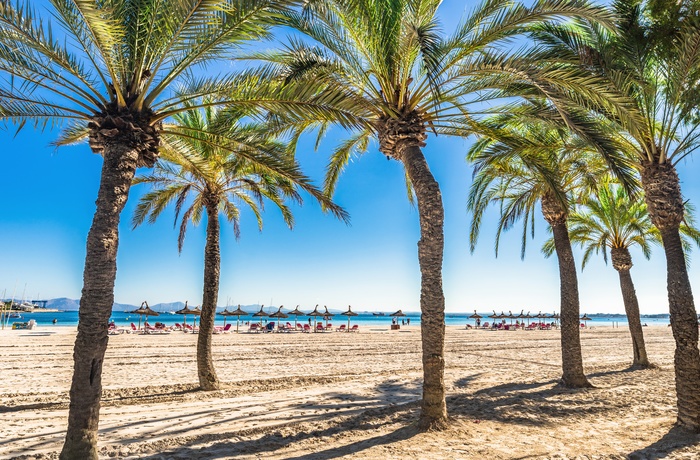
<point>96,302</point>
<point>662,194</point>
<point>208,380</point>
<point>622,262</point>
<point>571,358</point>
<point>432,299</point>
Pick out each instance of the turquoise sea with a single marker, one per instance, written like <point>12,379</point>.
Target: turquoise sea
<point>70,318</point>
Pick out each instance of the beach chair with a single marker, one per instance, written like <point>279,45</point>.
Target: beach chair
<point>485,325</point>
<point>253,327</point>
<point>320,328</point>
<point>354,328</point>
<point>133,327</point>
<point>178,326</point>
<point>307,328</point>
<point>329,327</point>
<point>341,328</point>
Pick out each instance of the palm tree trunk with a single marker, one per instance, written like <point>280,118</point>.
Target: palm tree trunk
<point>96,302</point>
<point>622,261</point>
<point>432,299</point>
<point>665,203</point>
<point>629,298</point>
<point>571,359</point>
<point>208,380</point>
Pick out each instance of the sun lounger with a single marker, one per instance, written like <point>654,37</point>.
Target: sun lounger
<point>222,329</point>
<point>320,328</point>
<point>329,327</point>
<point>254,327</point>
<point>307,328</point>
<point>341,328</point>
<point>354,328</point>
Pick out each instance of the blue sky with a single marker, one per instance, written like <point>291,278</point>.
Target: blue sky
<point>47,202</point>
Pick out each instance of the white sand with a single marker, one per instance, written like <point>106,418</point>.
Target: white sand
<point>333,395</point>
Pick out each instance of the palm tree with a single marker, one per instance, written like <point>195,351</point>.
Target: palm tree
<point>383,71</point>
<point>520,166</point>
<point>611,220</point>
<point>657,68</point>
<point>206,178</point>
<point>109,78</point>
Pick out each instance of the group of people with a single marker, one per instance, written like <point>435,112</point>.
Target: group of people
<point>404,322</point>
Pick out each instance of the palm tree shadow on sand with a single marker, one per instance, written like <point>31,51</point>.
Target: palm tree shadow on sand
<point>273,440</point>
<point>676,439</point>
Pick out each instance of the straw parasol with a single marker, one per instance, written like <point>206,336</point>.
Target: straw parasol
<point>585,318</point>
<point>196,312</point>
<point>494,316</point>
<point>396,314</point>
<point>296,312</point>
<point>144,311</point>
<point>238,313</point>
<point>185,311</point>
<point>349,313</point>
<point>261,314</point>
<point>315,314</point>
<point>475,316</point>
<point>279,314</point>
<point>529,317</point>
<point>521,317</point>
<point>327,315</point>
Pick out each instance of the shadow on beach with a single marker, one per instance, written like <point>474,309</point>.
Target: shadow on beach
<point>227,445</point>
<point>676,439</point>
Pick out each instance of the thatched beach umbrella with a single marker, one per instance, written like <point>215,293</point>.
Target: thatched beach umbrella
<point>261,314</point>
<point>185,311</point>
<point>279,314</point>
<point>144,310</point>
<point>494,316</point>
<point>349,313</point>
<point>237,313</point>
<point>327,315</point>
<point>315,314</point>
<point>396,314</point>
<point>196,312</point>
<point>296,312</point>
<point>475,316</point>
<point>528,317</point>
<point>585,318</point>
<point>521,317</point>
<point>555,316</point>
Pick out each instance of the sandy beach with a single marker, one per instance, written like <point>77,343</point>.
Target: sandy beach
<point>339,395</point>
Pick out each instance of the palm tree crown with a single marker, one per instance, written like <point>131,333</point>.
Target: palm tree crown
<point>198,172</point>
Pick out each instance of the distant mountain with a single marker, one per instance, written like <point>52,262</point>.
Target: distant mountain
<point>66,304</point>
<point>172,306</point>
<point>63,303</point>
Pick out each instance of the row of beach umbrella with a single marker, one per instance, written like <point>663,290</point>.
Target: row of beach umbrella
<point>145,310</point>
<point>528,317</point>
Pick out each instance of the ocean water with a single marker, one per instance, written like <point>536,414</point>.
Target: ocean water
<point>122,319</point>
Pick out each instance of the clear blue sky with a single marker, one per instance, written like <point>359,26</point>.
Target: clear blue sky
<point>47,202</point>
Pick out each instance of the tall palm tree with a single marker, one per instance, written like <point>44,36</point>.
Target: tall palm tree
<point>519,166</point>
<point>657,68</point>
<point>383,71</point>
<point>108,77</point>
<point>200,176</point>
<point>611,220</point>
